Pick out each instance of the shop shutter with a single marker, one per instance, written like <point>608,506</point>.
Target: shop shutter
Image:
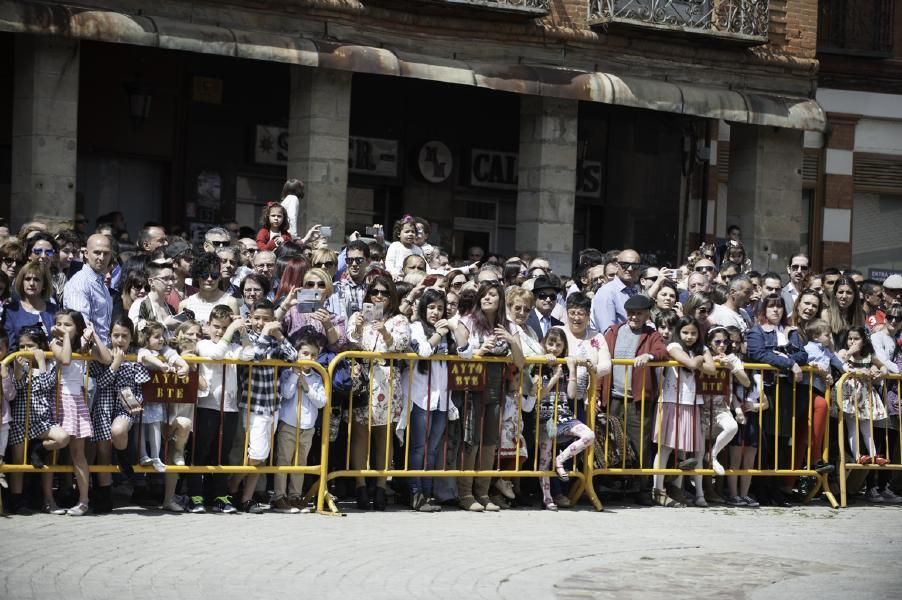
<point>878,174</point>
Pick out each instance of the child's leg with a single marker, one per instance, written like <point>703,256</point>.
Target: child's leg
<point>120,429</point>
<point>748,462</point>
<point>545,448</point>
<point>585,438</point>
<point>661,459</point>
<point>437,423</point>
<point>381,444</point>
<point>697,479</point>
<point>80,464</point>
<point>103,456</point>
<point>852,434</point>
<point>15,479</point>
<point>180,429</point>
<point>736,453</point>
<point>728,428</point>
<point>153,440</point>
<point>296,481</point>
<point>360,443</point>
<point>55,438</point>
<point>285,445</point>
<point>250,481</point>
<point>865,426</point>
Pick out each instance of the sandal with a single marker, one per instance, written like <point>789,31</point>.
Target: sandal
<point>550,505</point>
<point>561,471</point>
<point>864,459</point>
<point>879,460</point>
<point>662,499</point>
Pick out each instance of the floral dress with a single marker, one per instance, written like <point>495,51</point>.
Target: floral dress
<point>385,376</point>
<point>859,396</point>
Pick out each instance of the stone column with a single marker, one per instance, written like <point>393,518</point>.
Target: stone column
<point>546,194</point>
<point>45,130</point>
<point>319,123</point>
<point>765,190</point>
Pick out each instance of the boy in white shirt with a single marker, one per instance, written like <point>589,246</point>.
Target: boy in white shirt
<point>217,408</point>
<point>293,438</point>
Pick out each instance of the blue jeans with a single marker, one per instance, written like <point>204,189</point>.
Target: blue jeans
<point>418,445</point>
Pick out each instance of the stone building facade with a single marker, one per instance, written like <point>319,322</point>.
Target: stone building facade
<point>530,125</point>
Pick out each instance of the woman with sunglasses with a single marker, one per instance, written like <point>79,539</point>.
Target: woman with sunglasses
<point>206,271</point>
<point>699,306</point>
<point>373,416</point>
<point>135,288</point>
<point>11,257</point>
<point>295,316</point>
<point>42,248</point>
<point>34,304</point>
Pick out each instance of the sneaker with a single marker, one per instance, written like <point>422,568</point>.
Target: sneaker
<point>700,502</point>
<point>252,507</point>
<point>173,506</point>
<point>196,505</point>
<point>145,461</point>
<point>750,502</point>
<point>282,505</point>
<point>890,497</point>
<point>299,503</point>
<point>506,488</point>
<point>487,504</point>
<point>178,458</point>
<point>79,510</point>
<point>469,503</point>
<point>874,495</point>
<point>420,503</point>
<point>223,505</point>
<point>562,501</point>
<point>3,483</point>
<point>736,501</point>
<point>158,465</point>
<point>52,509</point>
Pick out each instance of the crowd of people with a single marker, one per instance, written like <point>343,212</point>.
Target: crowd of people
<point>151,306</point>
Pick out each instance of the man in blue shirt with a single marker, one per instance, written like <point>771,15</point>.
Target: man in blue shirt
<point>607,305</point>
<point>87,293</point>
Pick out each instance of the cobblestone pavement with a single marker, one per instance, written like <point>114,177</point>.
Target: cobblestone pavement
<point>624,552</point>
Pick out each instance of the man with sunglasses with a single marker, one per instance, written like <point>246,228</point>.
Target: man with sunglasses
<point>607,305</point>
<point>540,318</point>
<point>216,238</point>
<point>351,287</point>
<point>798,269</point>
<point>892,291</point>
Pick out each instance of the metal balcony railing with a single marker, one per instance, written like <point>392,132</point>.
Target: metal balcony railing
<point>744,20</point>
<point>513,8</point>
<point>862,27</point>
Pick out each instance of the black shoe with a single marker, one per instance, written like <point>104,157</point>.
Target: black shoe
<point>37,454</point>
<point>644,499</point>
<point>125,466</point>
<point>103,500</point>
<point>363,498</point>
<point>379,501</point>
<point>778,498</point>
<point>823,467</point>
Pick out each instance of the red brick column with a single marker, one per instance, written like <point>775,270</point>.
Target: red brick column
<point>838,190</point>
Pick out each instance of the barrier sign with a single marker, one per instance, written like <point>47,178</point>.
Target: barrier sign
<point>713,385</point>
<point>169,387</point>
<point>466,377</point>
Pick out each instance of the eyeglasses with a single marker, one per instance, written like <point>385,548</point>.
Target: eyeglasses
<point>48,252</point>
<point>213,276</point>
<point>628,266</point>
<point>219,243</point>
<point>250,251</point>
<point>546,296</point>
<point>325,265</point>
<point>376,292</point>
<point>312,284</point>
<point>798,267</point>
<point>488,282</point>
<point>356,260</point>
<point>10,261</point>
<point>654,278</point>
<point>704,269</point>
<point>577,314</point>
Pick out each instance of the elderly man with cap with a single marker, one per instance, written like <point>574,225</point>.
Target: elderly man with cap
<point>540,319</point>
<point>892,290</point>
<point>638,341</point>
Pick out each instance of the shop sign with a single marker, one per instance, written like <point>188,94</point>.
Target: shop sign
<point>169,387</point>
<point>588,179</point>
<point>435,162</point>
<point>373,156</point>
<point>366,156</point>
<point>882,274</point>
<point>492,169</point>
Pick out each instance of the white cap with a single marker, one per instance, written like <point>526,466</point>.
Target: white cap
<point>893,282</point>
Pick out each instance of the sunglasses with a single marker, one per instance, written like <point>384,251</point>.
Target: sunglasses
<point>49,252</point>
<point>894,318</point>
<point>315,284</point>
<point>380,293</point>
<point>458,284</point>
<point>798,267</point>
<point>325,265</point>
<point>720,342</point>
<point>546,296</point>
<point>357,260</point>
<point>213,276</point>
<point>628,266</point>
<point>10,261</point>
<point>704,269</point>
<point>219,244</point>
<point>250,251</point>
<point>703,309</point>
<point>143,288</point>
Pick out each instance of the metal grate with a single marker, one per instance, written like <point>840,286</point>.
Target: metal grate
<point>740,18</point>
<point>861,27</point>
<point>877,174</point>
<point>811,164</point>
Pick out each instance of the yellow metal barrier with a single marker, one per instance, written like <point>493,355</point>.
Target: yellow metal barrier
<point>394,361</point>
<point>770,468</point>
<point>316,470</point>
<point>863,404</point>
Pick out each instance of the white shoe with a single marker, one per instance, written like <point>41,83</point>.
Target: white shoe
<point>718,468</point>
<point>3,483</point>
<point>173,506</point>
<point>178,458</point>
<point>506,488</point>
<point>78,510</point>
<point>145,461</point>
<point>158,465</point>
<point>890,497</point>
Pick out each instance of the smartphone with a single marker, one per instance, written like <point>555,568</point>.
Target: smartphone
<point>367,311</point>
<point>308,300</point>
<point>183,316</point>
<point>325,231</point>
<point>372,231</point>
<point>430,280</point>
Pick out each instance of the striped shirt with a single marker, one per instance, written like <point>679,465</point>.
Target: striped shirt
<point>87,294</point>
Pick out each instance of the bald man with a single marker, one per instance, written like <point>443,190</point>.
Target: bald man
<point>607,305</point>
<point>87,293</point>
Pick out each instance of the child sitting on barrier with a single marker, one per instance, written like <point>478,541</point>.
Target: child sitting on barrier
<point>216,415</point>
<point>678,422</point>
<point>269,343</point>
<point>861,404</point>
<point>557,420</point>
<point>820,355</point>
<point>303,395</point>
<point>718,410</point>
<point>512,450</point>
<point>117,401</point>
<point>157,356</point>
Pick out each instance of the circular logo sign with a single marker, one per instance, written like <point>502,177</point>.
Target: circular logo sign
<point>435,162</point>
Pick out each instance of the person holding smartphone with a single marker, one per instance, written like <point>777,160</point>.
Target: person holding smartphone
<point>305,306</point>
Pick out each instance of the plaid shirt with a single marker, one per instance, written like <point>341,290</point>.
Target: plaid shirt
<point>264,398</point>
<point>349,294</point>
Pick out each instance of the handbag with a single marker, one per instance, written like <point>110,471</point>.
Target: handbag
<point>610,428</point>
<point>128,400</point>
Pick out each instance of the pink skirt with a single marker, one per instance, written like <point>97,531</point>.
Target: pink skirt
<point>75,417</point>
<point>681,426</point>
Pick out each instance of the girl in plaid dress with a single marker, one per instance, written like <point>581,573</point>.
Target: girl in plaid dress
<point>33,404</point>
<point>111,419</point>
